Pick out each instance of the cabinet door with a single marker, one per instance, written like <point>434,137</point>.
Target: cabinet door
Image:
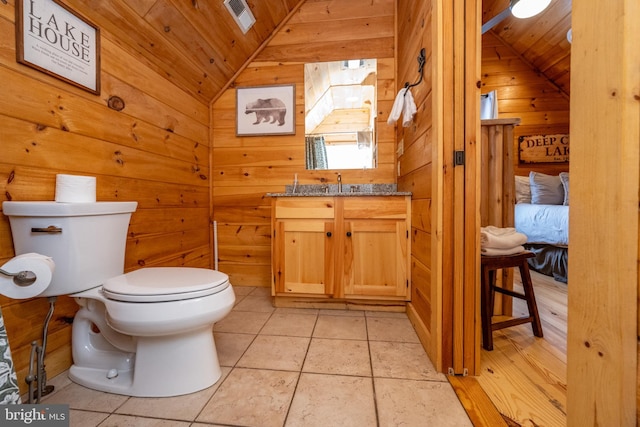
<point>303,256</point>
<point>375,258</point>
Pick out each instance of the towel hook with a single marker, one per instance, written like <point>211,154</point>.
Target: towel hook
<point>421,60</point>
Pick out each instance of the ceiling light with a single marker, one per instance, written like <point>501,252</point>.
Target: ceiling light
<point>519,9</point>
<point>528,8</point>
<point>569,36</point>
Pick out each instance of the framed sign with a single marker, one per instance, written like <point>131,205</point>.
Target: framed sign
<point>265,110</point>
<point>543,148</point>
<point>51,38</point>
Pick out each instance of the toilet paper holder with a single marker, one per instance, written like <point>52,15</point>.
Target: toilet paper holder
<point>21,278</point>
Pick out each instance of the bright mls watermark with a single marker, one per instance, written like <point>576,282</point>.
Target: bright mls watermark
<point>34,415</point>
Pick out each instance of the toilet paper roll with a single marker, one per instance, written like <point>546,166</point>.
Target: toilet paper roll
<point>42,266</point>
<point>75,189</point>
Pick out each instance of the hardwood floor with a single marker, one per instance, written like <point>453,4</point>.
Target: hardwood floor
<point>525,376</point>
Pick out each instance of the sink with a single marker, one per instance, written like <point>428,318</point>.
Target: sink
<point>347,189</point>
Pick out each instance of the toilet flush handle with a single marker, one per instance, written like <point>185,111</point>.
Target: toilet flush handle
<point>52,229</point>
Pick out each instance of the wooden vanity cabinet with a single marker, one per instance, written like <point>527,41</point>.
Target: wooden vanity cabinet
<point>302,245</point>
<point>342,247</point>
<point>376,247</point>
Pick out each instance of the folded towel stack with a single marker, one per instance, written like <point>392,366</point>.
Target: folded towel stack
<point>501,241</point>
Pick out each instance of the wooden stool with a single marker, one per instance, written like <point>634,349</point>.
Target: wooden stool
<point>489,266</point>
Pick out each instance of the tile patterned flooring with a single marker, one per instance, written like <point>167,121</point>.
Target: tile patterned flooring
<point>293,367</point>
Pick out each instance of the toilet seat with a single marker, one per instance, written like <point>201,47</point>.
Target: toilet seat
<point>162,284</point>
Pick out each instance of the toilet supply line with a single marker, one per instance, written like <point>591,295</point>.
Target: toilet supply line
<point>40,376</point>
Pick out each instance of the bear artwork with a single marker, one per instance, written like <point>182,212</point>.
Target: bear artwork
<point>267,109</point>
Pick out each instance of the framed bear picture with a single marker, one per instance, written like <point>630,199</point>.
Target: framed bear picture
<point>266,110</point>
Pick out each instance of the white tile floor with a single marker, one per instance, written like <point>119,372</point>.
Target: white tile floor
<point>293,367</point>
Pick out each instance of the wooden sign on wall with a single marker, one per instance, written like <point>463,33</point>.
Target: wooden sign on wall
<point>543,148</point>
<point>52,38</point>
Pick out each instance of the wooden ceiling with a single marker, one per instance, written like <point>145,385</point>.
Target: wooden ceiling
<point>197,45</point>
<point>541,41</point>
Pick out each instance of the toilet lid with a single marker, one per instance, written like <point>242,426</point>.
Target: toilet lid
<point>160,284</point>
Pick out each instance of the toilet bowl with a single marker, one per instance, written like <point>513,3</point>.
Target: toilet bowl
<point>146,333</point>
<point>149,332</point>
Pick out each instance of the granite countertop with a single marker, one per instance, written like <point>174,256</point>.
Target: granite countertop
<point>348,190</point>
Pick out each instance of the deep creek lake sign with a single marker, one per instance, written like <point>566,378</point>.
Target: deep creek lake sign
<point>543,148</point>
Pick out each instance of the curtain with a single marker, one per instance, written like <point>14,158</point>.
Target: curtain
<point>316,152</point>
<point>364,139</point>
<point>489,105</point>
<point>9,392</point>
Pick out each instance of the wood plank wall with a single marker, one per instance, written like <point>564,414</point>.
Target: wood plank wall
<point>602,340</point>
<point>246,168</point>
<point>415,158</point>
<point>155,151</point>
<point>523,93</point>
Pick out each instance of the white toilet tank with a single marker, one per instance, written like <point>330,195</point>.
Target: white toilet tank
<point>86,240</point>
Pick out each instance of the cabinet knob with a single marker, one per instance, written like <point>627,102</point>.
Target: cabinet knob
<point>348,234</point>
<point>328,234</point>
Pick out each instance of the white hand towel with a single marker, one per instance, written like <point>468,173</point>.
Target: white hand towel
<point>497,252</point>
<point>398,105</point>
<point>501,238</point>
<point>409,109</point>
<point>405,105</point>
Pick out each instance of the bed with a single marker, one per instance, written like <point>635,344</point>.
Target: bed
<point>542,214</point>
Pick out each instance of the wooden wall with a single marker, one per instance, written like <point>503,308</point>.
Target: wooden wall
<point>155,151</point>
<point>602,340</point>
<point>526,94</point>
<point>415,158</point>
<point>244,169</point>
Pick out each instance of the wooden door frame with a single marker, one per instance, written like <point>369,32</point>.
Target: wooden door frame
<point>458,105</point>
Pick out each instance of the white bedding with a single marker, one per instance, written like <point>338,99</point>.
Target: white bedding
<point>547,224</point>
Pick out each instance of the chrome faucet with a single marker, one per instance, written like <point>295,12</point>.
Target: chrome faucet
<point>339,183</point>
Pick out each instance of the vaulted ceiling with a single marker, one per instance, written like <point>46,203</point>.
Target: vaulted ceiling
<point>541,41</point>
<point>198,46</point>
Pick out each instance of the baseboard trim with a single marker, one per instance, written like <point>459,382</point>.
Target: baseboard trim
<point>340,304</point>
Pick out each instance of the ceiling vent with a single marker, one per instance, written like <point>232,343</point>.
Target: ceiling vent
<point>241,13</point>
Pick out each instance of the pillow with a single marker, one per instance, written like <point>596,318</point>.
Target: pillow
<point>523,189</point>
<point>546,189</point>
<point>564,178</point>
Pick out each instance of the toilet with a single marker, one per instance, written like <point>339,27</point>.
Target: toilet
<point>146,333</point>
